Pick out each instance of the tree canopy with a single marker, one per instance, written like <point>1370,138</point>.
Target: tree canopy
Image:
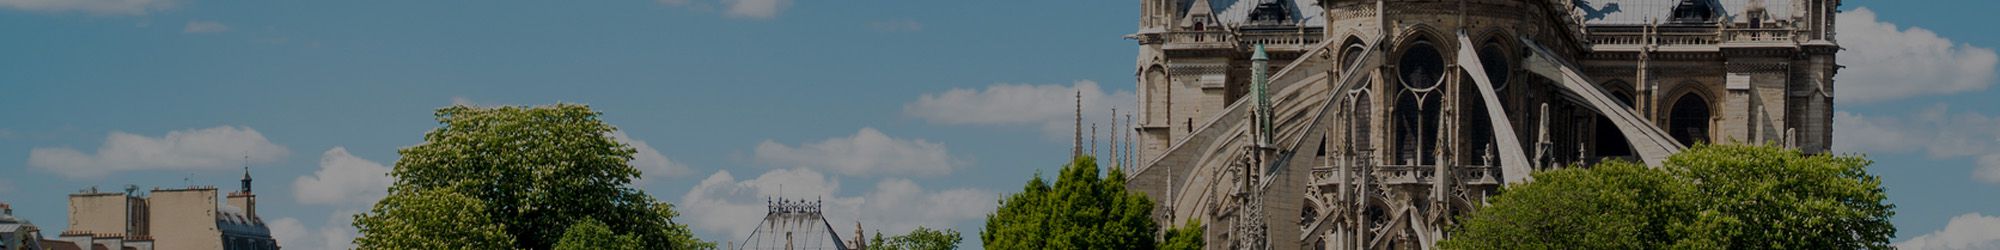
<point>921,238</point>
<point>1083,210</point>
<point>1185,237</point>
<point>1708,197</point>
<point>530,173</point>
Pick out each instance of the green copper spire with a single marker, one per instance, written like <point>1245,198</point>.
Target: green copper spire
<point>1260,84</point>
<point>1259,55</point>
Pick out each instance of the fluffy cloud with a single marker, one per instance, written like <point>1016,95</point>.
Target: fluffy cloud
<point>650,162</point>
<point>756,9</point>
<point>343,179</point>
<point>204,27</point>
<point>747,9</point>
<point>335,234</point>
<point>1989,169</point>
<point>94,7</point>
<point>216,148</point>
<point>1052,107</point>
<point>866,152</point>
<point>1887,63</point>
<point>344,182</point>
<point>1967,231</point>
<point>722,204</point>
<point>1934,131</point>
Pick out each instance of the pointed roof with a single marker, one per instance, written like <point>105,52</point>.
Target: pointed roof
<point>1259,55</point>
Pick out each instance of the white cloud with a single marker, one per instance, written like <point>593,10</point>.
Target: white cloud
<point>1989,169</point>
<point>337,233</point>
<point>1934,131</point>
<point>744,9</point>
<point>462,101</point>
<point>288,231</point>
<point>1966,231</point>
<point>344,182</point>
<point>94,7</point>
<point>756,9</point>
<point>223,147</point>
<point>722,204</point>
<point>867,152</point>
<point>650,162</point>
<point>1053,107</point>
<point>343,179</point>
<point>1887,63</point>
<point>905,25</point>
<point>204,27</point>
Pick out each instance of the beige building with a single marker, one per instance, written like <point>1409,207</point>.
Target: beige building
<point>167,219</point>
<point>1352,124</point>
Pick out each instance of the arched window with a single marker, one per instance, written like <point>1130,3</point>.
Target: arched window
<point>1416,129</point>
<point>1610,141</point>
<point>1689,121</point>
<point>1350,52</point>
<point>1493,56</point>
<point>1420,68</point>
<point>1361,120</point>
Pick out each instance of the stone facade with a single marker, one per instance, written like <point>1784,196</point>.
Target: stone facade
<point>1381,131</point>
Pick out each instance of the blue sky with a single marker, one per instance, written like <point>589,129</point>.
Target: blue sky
<point>912,104</point>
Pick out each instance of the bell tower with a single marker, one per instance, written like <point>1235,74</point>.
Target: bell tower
<point>243,198</point>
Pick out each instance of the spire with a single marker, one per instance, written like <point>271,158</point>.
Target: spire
<point>1260,85</point>
<point>246,174</point>
<point>1115,162</point>
<point>1076,146</point>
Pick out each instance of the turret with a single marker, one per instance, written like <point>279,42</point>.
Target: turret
<point>243,198</point>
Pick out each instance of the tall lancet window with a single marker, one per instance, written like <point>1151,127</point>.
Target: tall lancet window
<point>1421,70</point>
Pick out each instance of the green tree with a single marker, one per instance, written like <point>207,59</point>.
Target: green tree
<point>920,239</point>
<point>1615,205</point>
<point>535,170</point>
<point>1187,237</point>
<point>591,235</point>
<point>1707,197</point>
<point>431,220</point>
<point>1770,197</point>
<point>1083,210</point>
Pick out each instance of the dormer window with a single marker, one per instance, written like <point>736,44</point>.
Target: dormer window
<point>1694,11</point>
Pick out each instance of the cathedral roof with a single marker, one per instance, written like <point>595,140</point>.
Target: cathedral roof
<point>1236,13</point>
<point>1637,12</point>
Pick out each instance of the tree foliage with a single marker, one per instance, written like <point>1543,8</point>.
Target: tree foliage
<point>1186,237</point>
<point>424,219</point>
<point>1614,205</point>
<point>1083,210</point>
<point>535,170</point>
<point>592,235</point>
<point>1708,197</point>
<point>921,238</point>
